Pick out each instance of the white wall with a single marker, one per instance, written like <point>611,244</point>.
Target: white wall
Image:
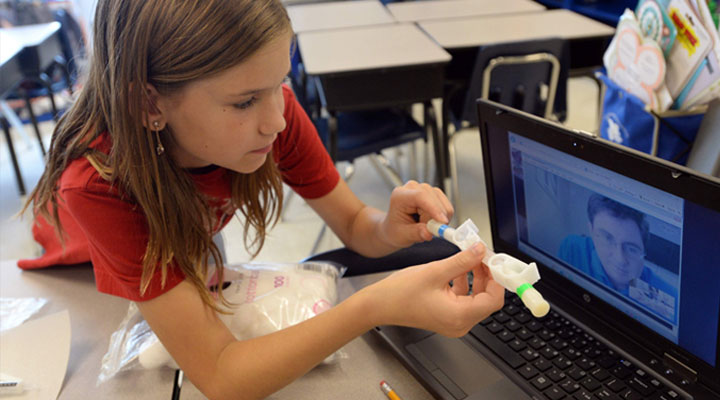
<point>84,11</point>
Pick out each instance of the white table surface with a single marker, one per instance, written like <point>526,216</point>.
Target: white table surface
<point>95,316</point>
<point>12,40</point>
<point>477,31</point>
<point>338,14</point>
<point>414,11</point>
<point>364,48</point>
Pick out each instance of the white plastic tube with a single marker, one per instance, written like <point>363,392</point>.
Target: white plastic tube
<point>513,274</point>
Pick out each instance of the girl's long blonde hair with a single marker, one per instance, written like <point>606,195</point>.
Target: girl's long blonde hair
<point>167,43</point>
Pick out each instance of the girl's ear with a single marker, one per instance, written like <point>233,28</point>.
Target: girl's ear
<point>153,109</point>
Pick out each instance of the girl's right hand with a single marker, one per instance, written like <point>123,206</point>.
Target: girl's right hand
<point>421,296</point>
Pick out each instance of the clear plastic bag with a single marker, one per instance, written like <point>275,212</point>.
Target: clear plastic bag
<point>267,297</point>
<point>15,310</point>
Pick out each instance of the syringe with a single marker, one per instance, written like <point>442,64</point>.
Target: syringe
<point>513,274</point>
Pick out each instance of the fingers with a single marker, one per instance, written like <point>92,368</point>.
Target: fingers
<point>461,263</point>
<point>422,199</point>
<point>481,276</point>
<point>460,285</point>
<point>484,304</point>
<point>449,210</point>
<point>489,300</point>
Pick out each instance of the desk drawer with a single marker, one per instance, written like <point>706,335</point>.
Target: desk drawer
<point>382,87</point>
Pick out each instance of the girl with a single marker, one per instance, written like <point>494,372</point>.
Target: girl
<point>184,119</point>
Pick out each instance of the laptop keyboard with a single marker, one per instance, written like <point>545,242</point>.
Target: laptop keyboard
<point>563,361</point>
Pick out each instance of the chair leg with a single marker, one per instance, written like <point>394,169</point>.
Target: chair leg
<point>34,121</point>
<point>413,170</point>
<point>13,156</point>
<point>316,246</point>
<point>394,161</point>
<point>332,133</point>
<point>286,203</point>
<point>68,76</point>
<point>455,186</point>
<point>47,83</point>
<point>426,161</point>
<point>349,171</point>
<point>386,171</point>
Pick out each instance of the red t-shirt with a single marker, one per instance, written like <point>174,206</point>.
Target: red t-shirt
<point>102,226</point>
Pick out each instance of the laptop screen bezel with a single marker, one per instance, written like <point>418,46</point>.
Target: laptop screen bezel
<point>672,178</point>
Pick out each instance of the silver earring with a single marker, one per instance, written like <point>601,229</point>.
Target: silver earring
<point>159,149</point>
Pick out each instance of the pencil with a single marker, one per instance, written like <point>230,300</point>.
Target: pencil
<point>389,392</point>
<point>177,384</point>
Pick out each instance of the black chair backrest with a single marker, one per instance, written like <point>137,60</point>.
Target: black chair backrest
<point>518,85</point>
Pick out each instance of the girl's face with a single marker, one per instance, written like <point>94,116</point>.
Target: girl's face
<point>230,119</point>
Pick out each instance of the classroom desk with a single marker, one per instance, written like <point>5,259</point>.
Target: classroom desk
<point>462,37</point>
<point>341,14</point>
<point>361,68</point>
<point>25,51</point>
<point>10,68</point>
<point>95,316</point>
<point>10,75</point>
<point>416,11</point>
<point>588,38</point>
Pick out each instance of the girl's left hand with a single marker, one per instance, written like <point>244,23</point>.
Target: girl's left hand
<point>411,207</point>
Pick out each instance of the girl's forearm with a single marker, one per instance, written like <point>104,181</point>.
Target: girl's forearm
<point>255,368</point>
<point>367,237</point>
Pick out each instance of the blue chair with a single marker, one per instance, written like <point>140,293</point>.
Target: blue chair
<point>353,134</point>
<point>350,135</point>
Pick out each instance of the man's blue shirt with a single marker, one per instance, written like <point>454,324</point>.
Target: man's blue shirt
<point>579,252</point>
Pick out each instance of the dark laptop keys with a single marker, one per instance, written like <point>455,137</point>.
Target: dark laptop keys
<point>561,360</point>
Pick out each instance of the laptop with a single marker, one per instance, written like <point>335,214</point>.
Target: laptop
<point>628,248</point>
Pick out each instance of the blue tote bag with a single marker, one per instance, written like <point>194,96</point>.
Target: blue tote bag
<point>626,121</point>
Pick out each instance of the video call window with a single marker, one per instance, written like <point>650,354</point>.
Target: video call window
<point>619,237</point>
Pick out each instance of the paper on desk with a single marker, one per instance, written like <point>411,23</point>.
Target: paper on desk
<point>15,310</point>
<point>37,352</point>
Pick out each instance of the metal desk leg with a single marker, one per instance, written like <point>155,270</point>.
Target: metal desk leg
<point>33,119</point>
<point>431,123</point>
<point>445,139</point>
<point>333,135</point>
<point>13,156</point>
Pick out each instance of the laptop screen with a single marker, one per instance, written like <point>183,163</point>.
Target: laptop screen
<point>603,219</point>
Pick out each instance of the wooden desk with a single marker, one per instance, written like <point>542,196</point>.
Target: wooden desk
<point>95,316</point>
<point>375,67</point>
<point>340,14</point>
<point>415,11</point>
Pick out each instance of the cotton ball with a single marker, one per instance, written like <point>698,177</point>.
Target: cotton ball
<point>270,300</point>
<point>155,355</point>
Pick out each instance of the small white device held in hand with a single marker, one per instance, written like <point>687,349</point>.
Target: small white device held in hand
<point>513,274</point>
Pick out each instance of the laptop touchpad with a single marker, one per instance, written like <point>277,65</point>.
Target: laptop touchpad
<point>462,365</point>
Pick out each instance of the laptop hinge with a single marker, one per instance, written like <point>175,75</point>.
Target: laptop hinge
<point>686,373</point>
